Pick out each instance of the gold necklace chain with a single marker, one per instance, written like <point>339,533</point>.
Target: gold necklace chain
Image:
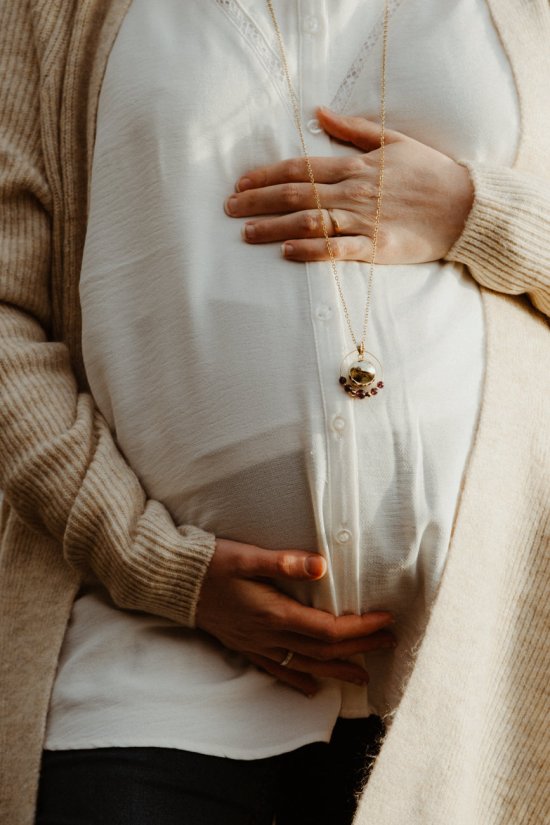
<point>360,382</point>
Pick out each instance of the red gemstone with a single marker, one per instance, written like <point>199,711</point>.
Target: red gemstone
<point>380,385</point>
<point>374,392</point>
<point>360,394</point>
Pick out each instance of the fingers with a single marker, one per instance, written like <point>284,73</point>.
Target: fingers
<point>294,170</point>
<point>363,133</point>
<point>279,198</point>
<point>265,619</point>
<point>301,668</point>
<point>303,682</point>
<point>303,236</point>
<point>284,564</point>
<point>298,674</point>
<point>293,617</point>
<point>327,651</point>
<point>247,561</point>
<point>344,248</point>
<point>305,224</point>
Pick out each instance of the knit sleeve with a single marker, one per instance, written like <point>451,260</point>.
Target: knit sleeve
<point>506,239</point>
<point>60,467</point>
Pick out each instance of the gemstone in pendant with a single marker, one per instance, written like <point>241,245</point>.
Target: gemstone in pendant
<point>362,373</point>
<point>342,379</point>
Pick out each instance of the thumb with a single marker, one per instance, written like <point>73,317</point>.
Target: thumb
<point>285,564</point>
<point>363,133</point>
<point>232,558</point>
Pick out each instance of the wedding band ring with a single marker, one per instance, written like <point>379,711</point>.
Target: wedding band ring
<point>288,658</point>
<point>336,228</point>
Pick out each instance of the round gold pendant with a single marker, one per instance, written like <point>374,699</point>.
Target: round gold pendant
<point>361,374</point>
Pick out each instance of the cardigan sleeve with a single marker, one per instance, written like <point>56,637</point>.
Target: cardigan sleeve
<point>506,238</point>
<point>60,467</point>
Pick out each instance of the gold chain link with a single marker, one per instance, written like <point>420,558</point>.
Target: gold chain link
<point>360,345</point>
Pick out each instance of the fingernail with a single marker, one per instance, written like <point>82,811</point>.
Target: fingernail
<point>231,204</point>
<point>249,231</point>
<point>314,566</point>
<point>287,249</point>
<point>244,183</point>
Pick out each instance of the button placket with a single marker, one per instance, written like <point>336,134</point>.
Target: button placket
<point>314,43</point>
<point>324,312</point>
<point>344,536</point>
<point>341,500</point>
<point>310,24</point>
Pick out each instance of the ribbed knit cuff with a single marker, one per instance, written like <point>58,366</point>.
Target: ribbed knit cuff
<point>199,549</point>
<point>162,570</point>
<point>505,242</point>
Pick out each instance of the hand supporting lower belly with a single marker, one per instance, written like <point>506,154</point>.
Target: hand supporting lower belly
<point>241,606</point>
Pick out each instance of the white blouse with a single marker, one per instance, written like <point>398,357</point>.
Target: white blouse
<point>216,363</point>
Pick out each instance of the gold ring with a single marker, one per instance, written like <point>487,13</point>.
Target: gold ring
<point>336,228</point>
<point>288,658</point>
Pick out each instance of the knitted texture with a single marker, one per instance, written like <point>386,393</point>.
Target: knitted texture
<point>469,742</point>
<point>62,470</point>
<point>72,504</point>
<point>507,205</point>
<point>466,745</point>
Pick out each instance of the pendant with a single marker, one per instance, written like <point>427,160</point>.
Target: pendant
<point>361,374</point>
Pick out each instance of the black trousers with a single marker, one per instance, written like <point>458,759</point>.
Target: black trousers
<point>317,784</point>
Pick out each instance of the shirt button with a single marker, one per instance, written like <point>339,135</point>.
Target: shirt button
<point>339,423</point>
<point>324,312</point>
<point>313,126</point>
<point>310,24</point>
<point>343,536</point>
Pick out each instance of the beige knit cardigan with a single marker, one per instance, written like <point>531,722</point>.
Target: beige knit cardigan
<point>468,744</point>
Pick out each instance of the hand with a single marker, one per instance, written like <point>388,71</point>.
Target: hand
<point>246,613</point>
<point>426,199</point>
